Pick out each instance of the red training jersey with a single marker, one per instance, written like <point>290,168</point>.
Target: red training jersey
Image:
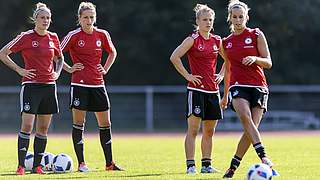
<point>87,49</point>
<point>236,48</point>
<point>202,57</point>
<point>37,53</point>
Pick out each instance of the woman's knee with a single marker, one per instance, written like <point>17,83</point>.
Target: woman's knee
<point>27,128</point>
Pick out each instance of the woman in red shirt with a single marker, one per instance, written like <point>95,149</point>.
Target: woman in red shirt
<point>88,93</point>
<point>202,48</point>
<point>38,96</point>
<point>247,54</point>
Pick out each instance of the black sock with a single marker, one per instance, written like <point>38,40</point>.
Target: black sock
<point>105,140</point>
<point>259,150</point>
<point>77,139</point>
<point>39,147</point>
<point>190,163</point>
<point>205,162</point>
<point>235,162</point>
<point>23,145</point>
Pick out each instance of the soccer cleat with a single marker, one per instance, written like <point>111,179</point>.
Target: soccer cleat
<point>113,167</point>
<point>20,170</point>
<point>229,174</point>
<point>268,162</point>
<point>37,170</point>
<point>191,170</point>
<point>83,167</point>
<point>209,169</point>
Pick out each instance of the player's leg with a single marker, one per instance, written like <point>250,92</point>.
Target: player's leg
<point>78,121</point>
<point>193,129</point>
<point>99,103</point>
<point>104,123</point>
<point>208,130</point>
<point>212,112</point>
<point>28,106</point>
<point>79,97</point>
<point>40,141</point>
<point>244,144</point>
<point>23,140</point>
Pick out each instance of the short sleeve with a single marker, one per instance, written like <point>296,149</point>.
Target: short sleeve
<point>107,43</point>
<point>18,44</point>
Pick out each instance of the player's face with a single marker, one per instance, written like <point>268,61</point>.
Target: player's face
<point>238,18</point>
<point>87,19</point>
<point>43,20</point>
<point>205,22</point>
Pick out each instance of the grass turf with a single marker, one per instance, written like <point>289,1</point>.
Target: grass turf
<point>149,156</point>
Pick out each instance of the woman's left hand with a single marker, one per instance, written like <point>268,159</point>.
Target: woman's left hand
<point>218,78</point>
<point>101,69</point>
<point>249,60</point>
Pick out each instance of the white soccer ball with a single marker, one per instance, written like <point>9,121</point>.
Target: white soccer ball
<point>28,162</point>
<point>259,172</point>
<point>47,161</point>
<point>62,163</point>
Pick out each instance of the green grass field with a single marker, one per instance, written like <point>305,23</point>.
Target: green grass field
<point>297,156</point>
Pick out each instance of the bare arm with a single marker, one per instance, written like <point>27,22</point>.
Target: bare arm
<point>265,58</point>
<point>110,60</point>
<point>176,61</point>
<point>75,67</point>
<point>4,57</point>
<point>59,65</point>
<point>226,65</point>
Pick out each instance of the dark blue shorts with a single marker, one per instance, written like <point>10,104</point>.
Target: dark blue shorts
<point>256,96</point>
<point>94,99</point>
<point>204,105</point>
<point>38,98</point>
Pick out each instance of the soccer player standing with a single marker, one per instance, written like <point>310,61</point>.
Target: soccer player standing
<point>88,93</point>
<point>247,55</point>
<point>202,49</point>
<point>38,96</point>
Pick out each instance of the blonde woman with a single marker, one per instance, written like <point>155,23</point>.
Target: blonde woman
<point>247,55</point>
<point>38,96</point>
<point>88,93</point>
<point>202,48</point>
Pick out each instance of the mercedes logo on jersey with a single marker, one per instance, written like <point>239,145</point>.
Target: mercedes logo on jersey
<point>229,45</point>
<point>200,47</point>
<point>35,43</point>
<point>81,43</point>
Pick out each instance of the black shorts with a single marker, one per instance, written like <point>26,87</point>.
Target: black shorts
<point>93,99</point>
<point>39,99</point>
<point>204,105</point>
<point>256,96</point>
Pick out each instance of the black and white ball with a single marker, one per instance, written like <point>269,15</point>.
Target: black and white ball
<point>62,163</point>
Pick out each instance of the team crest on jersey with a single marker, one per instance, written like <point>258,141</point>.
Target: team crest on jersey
<point>200,47</point>
<point>81,43</point>
<point>215,47</point>
<point>51,44</point>
<point>98,43</point>
<point>248,40</point>
<point>76,102</point>
<point>197,110</point>
<point>35,44</point>
<point>26,107</point>
<point>229,45</point>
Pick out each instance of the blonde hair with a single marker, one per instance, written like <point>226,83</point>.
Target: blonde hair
<point>236,4</point>
<point>199,9</point>
<point>39,8</point>
<point>85,6</point>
